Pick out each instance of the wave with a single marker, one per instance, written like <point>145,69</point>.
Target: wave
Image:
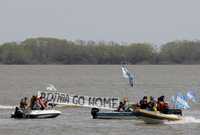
<point>185,120</point>
<point>6,107</point>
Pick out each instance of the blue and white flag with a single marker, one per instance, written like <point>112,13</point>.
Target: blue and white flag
<point>191,95</point>
<point>124,71</point>
<point>126,74</point>
<point>180,101</point>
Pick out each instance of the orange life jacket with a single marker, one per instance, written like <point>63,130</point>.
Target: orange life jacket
<point>160,106</point>
<point>166,106</point>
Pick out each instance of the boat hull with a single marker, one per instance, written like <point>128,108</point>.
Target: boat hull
<point>156,117</point>
<point>112,115</point>
<point>35,114</point>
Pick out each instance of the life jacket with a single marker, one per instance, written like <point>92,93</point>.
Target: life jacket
<point>160,106</point>
<point>152,106</point>
<point>166,106</point>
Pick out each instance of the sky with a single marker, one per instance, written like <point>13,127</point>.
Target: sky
<point>152,21</point>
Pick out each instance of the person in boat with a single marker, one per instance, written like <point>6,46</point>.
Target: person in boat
<point>24,103</point>
<point>34,104</point>
<point>162,106</point>
<point>143,103</point>
<point>42,103</point>
<point>123,105</point>
<point>152,105</point>
<point>160,103</point>
<point>126,104</point>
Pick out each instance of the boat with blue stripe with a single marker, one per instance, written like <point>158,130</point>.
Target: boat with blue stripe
<point>113,115</point>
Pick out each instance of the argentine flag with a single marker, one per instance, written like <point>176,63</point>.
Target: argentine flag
<point>180,101</point>
<point>191,95</point>
<point>126,74</point>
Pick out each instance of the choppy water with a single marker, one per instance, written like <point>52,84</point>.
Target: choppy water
<point>104,80</point>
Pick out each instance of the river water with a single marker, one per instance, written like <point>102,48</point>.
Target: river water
<point>17,81</point>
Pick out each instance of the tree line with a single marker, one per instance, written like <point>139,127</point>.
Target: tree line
<point>57,51</point>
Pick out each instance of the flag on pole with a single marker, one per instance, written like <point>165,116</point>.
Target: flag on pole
<point>191,95</point>
<point>179,101</point>
<point>126,74</point>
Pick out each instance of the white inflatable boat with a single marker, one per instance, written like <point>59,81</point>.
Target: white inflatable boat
<point>30,114</point>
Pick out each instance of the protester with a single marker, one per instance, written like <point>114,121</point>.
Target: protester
<point>42,103</point>
<point>143,103</point>
<point>160,103</point>
<point>34,104</point>
<point>162,106</point>
<point>123,105</point>
<point>152,105</point>
<point>24,103</point>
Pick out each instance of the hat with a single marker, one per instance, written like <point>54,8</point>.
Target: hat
<point>145,97</point>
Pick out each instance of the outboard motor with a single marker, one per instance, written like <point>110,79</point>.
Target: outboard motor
<point>94,112</point>
<point>18,113</point>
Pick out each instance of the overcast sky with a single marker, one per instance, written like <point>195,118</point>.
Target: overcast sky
<point>153,21</point>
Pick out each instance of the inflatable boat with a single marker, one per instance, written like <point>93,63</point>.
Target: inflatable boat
<point>158,117</point>
<point>113,115</point>
<point>37,114</point>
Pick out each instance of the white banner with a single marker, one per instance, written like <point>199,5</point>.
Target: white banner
<point>110,103</point>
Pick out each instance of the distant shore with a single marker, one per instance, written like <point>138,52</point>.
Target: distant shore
<point>51,51</point>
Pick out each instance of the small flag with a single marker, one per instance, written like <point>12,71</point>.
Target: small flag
<point>126,74</point>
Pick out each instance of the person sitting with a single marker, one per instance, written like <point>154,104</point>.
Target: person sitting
<point>125,100</point>
<point>162,106</point>
<point>123,105</point>
<point>143,103</point>
<point>34,105</point>
<point>24,103</point>
<point>160,103</point>
<point>151,105</point>
<point>42,103</point>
